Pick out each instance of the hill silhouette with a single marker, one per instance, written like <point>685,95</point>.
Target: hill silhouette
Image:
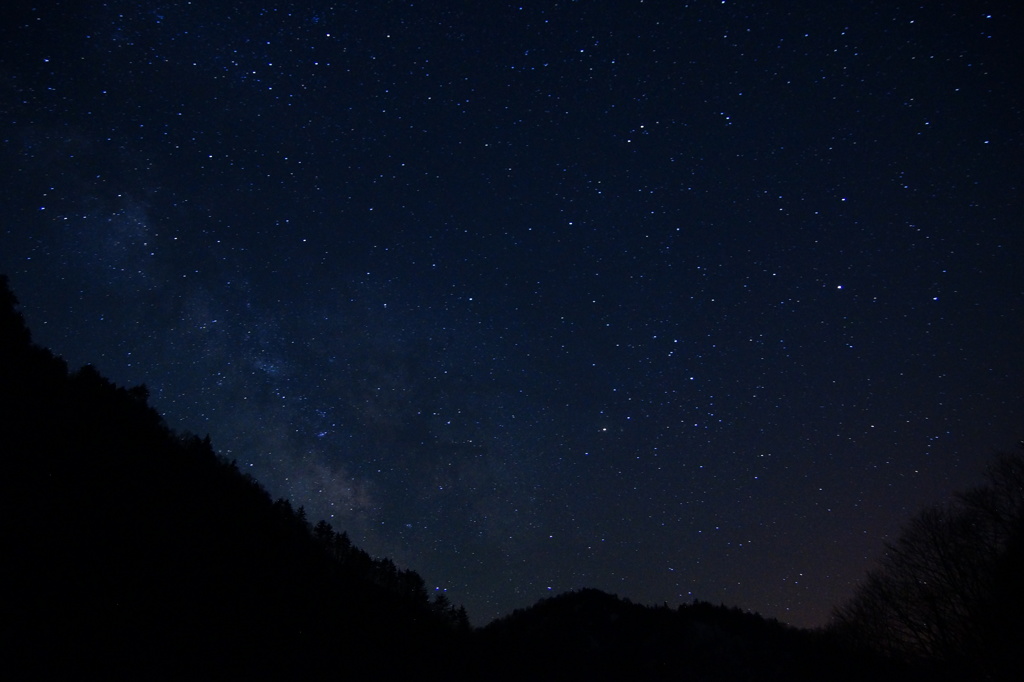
<point>592,635</point>
<point>136,552</point>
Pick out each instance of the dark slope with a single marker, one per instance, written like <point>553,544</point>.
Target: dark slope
<point>597,636</point>
<point>134,552</point>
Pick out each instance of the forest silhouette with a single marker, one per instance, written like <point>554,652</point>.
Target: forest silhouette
<point>135,551</point>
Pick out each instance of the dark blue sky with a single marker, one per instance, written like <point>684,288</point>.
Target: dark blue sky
<point>670,299</point>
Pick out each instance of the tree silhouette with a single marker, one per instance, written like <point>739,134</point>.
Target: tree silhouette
<point>949,589</point>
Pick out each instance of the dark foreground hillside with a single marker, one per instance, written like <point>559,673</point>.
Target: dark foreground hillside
<point>133,552</point>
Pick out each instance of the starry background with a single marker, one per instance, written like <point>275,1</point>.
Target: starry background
<point>675,300</point>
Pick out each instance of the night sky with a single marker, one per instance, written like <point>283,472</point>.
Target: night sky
<point>674,300</point>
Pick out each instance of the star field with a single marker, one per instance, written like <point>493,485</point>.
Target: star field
<point>675,300</point>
